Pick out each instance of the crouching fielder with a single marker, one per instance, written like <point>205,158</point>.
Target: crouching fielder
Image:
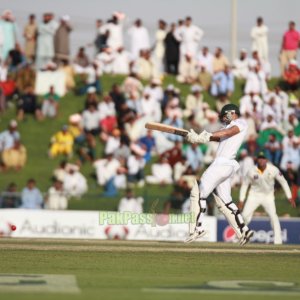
<point>218,175</point>
<point>262,178</point>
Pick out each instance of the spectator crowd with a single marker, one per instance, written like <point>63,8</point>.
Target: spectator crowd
<point>34,76</point>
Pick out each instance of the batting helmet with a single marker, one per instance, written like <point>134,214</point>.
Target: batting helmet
<point>229,108</point>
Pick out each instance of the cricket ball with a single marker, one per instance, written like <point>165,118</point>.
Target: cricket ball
<point>13,227</point>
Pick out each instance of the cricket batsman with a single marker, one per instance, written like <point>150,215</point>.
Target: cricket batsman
<point>261,178</point>
<point>217,176</point>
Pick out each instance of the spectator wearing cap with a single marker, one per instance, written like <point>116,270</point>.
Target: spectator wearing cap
<point>290,45</point>
<point>10,136</point>
<point>28,104</point>
<point>205,60</point>
<point>240,67</point>
<point>155,90</point>
<point>30,34</point>
<point>222,83</point>
<point>61,143</point>
<point>194,101</point>
<point>31,196</point>
<point>259,35</point>
<point>291,76</point>
<point>50,104</point>
<point>131,203</point>
<point>273,150</point>
<point>75,184</point>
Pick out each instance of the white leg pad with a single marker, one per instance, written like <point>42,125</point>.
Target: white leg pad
<point>194,206</point>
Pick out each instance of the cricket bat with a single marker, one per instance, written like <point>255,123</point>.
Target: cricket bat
<point>166,128</point>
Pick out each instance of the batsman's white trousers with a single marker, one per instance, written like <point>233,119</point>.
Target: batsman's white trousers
<point>268,203</point>
<point>218,176</point>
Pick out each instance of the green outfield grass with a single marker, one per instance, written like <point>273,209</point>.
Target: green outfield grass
<point>36,136</point>
<point>150,270</point>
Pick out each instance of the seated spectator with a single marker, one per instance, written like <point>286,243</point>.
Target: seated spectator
<point>130,203</point>
<point>25,77</point>
<point>221,101</point>
<point>155,90</point>
<point>148,143</point>
<point>135,169</point>
<point>15,157</point>
<point>92,79</point>
<point>112,141</point>
<point>205,60</point>
<point>131,84</point>
<point>121,62</point>
<point>107,170</point>
<point>161,172</point>
<point>256,81</point>
<point>28,104</point>
<point>91,120</point>
<point>123,151</point>
<point>174,154</point>
<point>173,109</point>
<point>9,137</point>
<point>176,122</point>
<point>10,198</point>
<point>16,59</point>
<point>240,67</point>
<point>292,177</point>
<point>220,61</point>
<point>204,78</point>
<point>150,108</point>
<point>144,65</point>
<point>187,69</point>
<point>75,184</point>
<point>272,107</point>
<point>194,101</point>
<point>61,143</point>
<point>50,104</point>
<point>269,123</point>
<point>68,70</point>
<point>248,101</point>
<point>105,60</point>
<point>107,110</point>
<point>291,155</point>
<point>31,196</point>
<point>91,97</point>
<point>273,150</point>
<point>56,198</point>
<point>134,103</point>
<point>81,62</point>
<point>222,83</point>
<point>194,157</point>
<point>291,76</point>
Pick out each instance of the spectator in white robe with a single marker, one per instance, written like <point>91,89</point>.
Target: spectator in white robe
<point>131,203</point>
<point>144,65</point>
<point>106,108</point>
<point>248,101</point>
<point>159,48</point>
<point>45,40</point>
<point>270,123</point>
<point>161,172</point>
<point>75,184</point>
<point>291,155</point>
<point>272,107</point>
<point>56,198</point>
<point>205,59</point>
<point>194,101</point>
<point>112,141</point>
<point>283,99</point>
<point>150,108</point>
<point>132,84</point>
<point>187,69</point>
<point>121,62</point>
<point>105,60</point>
<point>114,31</point>
<point>139,39</point>
<point>259,35</point>
<point>240,67</point>
<point>190,38</point>
<point>155,90</point>
<point>256,81</point>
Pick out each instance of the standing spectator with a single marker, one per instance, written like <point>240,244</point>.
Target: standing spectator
<point>139,38</point>
<point>130,203</point>
<point>101,35</point>
<point>45,41</point>
<point>259,35</point>
<point>27,104</point>
<point>8,30</point>
<point>289,47</point>
<point>62,40</point>
<point>56,197</point>
<point>172,51</point>
<point>191,36</point>
<point>30,34</point>
<point>31,196</point>
<point>50,104</point>
<point>273,150</point>
<point>159,48</point>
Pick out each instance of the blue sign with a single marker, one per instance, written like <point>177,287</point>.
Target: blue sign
<point>290,231</point>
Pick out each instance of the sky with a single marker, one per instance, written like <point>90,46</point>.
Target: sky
<point>213,16</point>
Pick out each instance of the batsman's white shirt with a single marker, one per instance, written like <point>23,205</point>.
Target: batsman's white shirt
<point>228,147</point>
<point>262,183</point>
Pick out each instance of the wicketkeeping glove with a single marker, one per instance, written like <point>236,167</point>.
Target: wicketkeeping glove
<point>195,138</point>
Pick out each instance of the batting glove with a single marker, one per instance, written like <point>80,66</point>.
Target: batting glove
<point>195,138</point>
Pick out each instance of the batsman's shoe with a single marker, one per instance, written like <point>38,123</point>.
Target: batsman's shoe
<point>247,235</point>
<point>195,235</point>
